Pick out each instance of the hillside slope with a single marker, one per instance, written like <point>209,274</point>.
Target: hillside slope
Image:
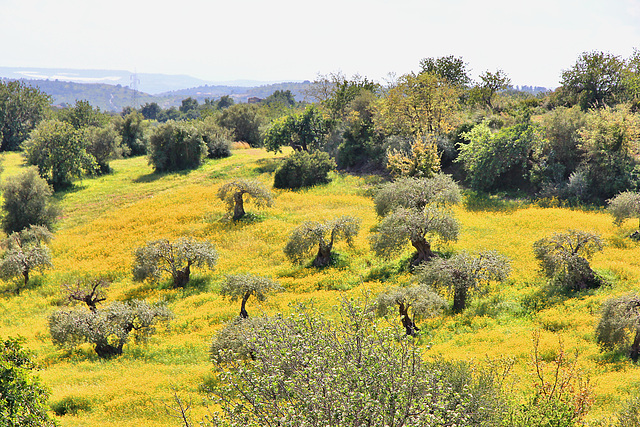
<point>106,218</point>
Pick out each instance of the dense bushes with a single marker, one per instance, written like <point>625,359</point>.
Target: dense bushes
<point>176,146</point>
<point>303,169</point>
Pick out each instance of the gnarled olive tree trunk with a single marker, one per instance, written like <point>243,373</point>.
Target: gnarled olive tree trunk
<point>423,251</point>
<point>238,205</point>
<point>408,323</point>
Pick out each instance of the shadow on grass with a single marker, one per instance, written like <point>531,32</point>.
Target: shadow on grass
<point>155,176</point>
<point>480,202</point>
<point>267,165</point>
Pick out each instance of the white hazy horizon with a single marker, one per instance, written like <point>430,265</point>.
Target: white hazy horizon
<point>286,40</point>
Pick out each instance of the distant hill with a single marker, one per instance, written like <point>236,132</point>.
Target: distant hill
<point>112,90</point>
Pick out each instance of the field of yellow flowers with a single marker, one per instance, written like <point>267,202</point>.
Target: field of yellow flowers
<point>105,219</point>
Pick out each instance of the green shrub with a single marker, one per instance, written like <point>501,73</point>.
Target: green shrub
<point>217,138</point>
<point>27,201</point>
<point>303,169</point>
<point>176,146</point>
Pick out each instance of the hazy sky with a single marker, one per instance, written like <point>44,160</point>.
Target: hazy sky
<point>532,41</point>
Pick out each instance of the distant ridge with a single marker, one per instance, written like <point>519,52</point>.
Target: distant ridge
<point>146,82</point>
<point>112,90</point>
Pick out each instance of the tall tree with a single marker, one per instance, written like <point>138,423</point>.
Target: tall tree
<point>419,104</point>
<point>60,153</point>
<point>303,131</point>
<point>449,68</point>
<point>595,80</point>
<point>490,84</point>
<point>22,107</point>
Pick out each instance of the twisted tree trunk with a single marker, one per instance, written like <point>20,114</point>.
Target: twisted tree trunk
<point>408,323</point>
<point>243,310</point>
<point>238,205</point>
<point>181,277</point>
<point>423,251</point>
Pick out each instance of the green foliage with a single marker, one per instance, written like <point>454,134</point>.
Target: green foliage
<point>418,226</point>
<point>245,121</point>
<point>558,154</point>
<point>421,160</point>
<point>82,115</point>
<point>109,328</point>
<point>623,206</point>
<point>25,251</point>
<point>563,258</point>
<point>490,84</point>
<point>312,234</point>
<point>233,194</point>
<point>133,131</point>
<point>27,202</point>
<point>303,169</point>
<point>22,107</point>
<point>23,398</point>
<point>217,138</point>
<point>175,146</point>
<point>449,68</point>
<point>594,81</point>
<point>440,190</point>
<point>70,405</point>
<point>361,145</point>
<point>463,274</point>
<point>308,370</point>
<point>150,110</point>
<point>489,157</point>
<point>60,153</point>
<point>176,258</point>
<point>104,144</point>
<point>609,141</point>
<point>419,104</point>
<point>619,325</point>
<point>243,286</point>
<point>303,131</point>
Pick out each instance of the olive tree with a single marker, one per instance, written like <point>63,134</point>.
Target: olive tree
<point>27,201</point>
<point>440,190</point>
<point>416,226</point>
<point>91,292</point>
<point>25,251</point>
<point>623,206</point>
<point>564,258</point>
<point>109,328</point>
<point>619,325</point>
<point>306,369</point>
<point>233,194</point>
<point>24,399</point>
<point>176,258</point>
<point>463,274</point>
<point>413,302</point>
<point>243,286</point>
<point>313,234</point>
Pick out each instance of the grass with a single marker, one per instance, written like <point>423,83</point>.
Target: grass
<point>105,219</point>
